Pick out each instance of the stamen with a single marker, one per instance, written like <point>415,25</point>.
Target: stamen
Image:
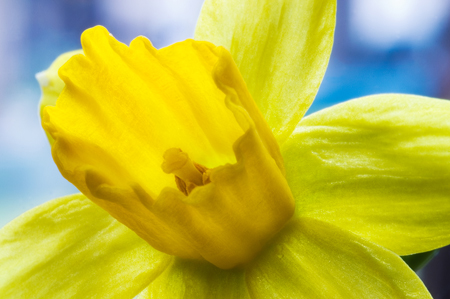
<point>181,185</point>
<point>205,173</point>
<point>188,174</point>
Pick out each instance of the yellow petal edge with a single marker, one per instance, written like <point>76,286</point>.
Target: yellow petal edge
<point>70,248</point>
<point>378,166</point>
<point>314,259</point>
<point>281,48</point>
<point>50,83</point>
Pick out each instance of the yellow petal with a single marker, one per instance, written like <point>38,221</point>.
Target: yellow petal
<point>50,83</point>
<point>378,166</point>
<point>126,108</point>
<point>313,259</point>
<point>199,280</point>
<point>70,248</point>
<point>280,47</point>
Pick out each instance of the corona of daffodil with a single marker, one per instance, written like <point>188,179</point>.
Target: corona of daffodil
<point>200,179</point>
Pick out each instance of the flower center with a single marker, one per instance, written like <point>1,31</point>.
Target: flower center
<point>188,174</point>
<point>234,214</point>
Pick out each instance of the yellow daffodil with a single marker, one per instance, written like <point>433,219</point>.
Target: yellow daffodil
<point>200,179</point>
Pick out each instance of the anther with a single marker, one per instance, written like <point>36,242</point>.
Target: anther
<point>188,174</point>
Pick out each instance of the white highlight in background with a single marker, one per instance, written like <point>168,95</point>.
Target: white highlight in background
<point>388,23</point>
<point>176,19</point>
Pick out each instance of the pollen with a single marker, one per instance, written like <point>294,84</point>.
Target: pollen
<point>188,174</point>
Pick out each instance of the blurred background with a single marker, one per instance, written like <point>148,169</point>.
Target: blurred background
<point>381,46</point>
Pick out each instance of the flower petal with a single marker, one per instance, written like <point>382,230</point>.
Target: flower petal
<point>280,47</point>
<point>123,107</point>
<point>196,279</point>
<point>314,259</point>
<point>50,83</point>
<point>378,166</point>
<point>69,247</point>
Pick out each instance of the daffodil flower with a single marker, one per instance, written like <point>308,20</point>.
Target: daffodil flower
<point>200,179</point>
